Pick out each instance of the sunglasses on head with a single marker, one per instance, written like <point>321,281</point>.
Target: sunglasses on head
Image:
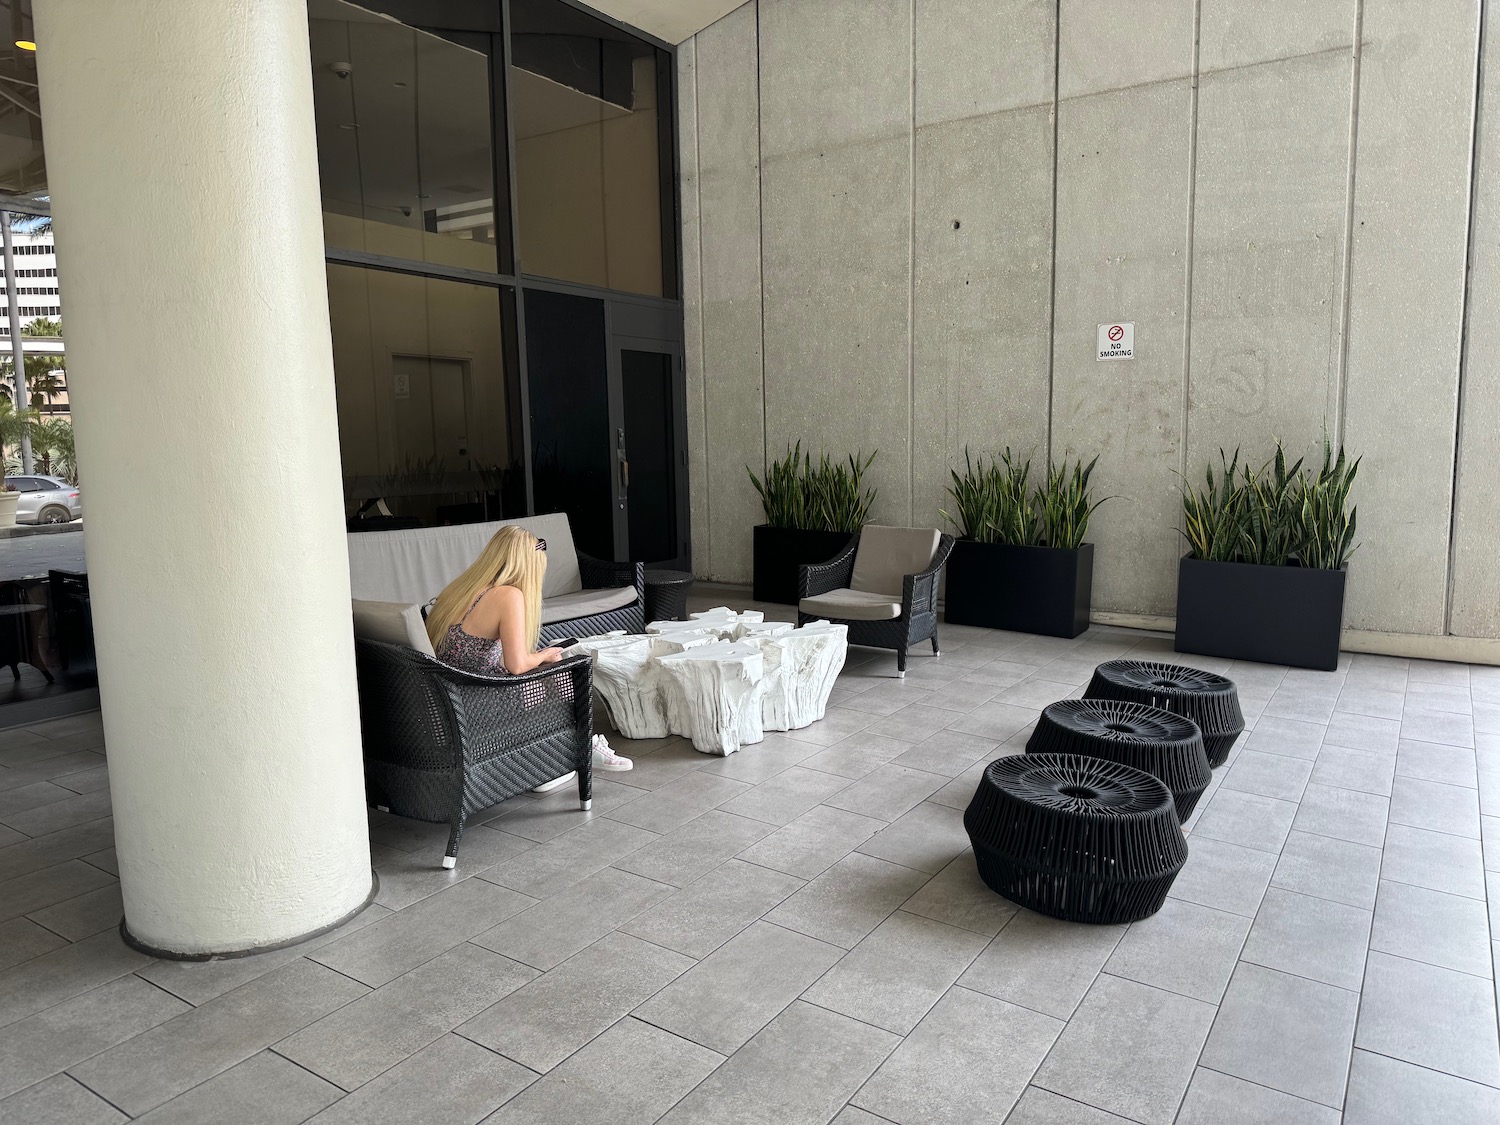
<point>541,544</point>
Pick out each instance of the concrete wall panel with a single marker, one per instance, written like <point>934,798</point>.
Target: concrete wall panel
<point>1411,218</point>
<point>1122,225</point>
<point>1009,42</point>
<point>1270,214</point>
<point>692,296</point>
<point>1475,609</point>
<point>1242,32</point>
<point>834,72</point>
<point>1112,44</point>
<point>837,185</point>
<point>729,204</point>
<point>983,292</point>
<point>837,302</point>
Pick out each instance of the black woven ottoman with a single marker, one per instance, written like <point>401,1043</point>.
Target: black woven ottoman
<point>1081,839</point>
<point>1209,700</point>
<point>1169,747</point>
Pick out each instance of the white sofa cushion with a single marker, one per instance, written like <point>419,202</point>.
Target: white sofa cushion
<point>413,565</point>
<point>395,623</point>
<point>585,603</point>
<point>886,555</point>
<point>852,605</point>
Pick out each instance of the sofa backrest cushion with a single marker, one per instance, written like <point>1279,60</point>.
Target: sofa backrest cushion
<point>415,564</point>
<point>886,555</point>
<point>395,623</point>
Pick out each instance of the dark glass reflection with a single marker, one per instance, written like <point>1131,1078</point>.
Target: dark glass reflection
<point>419,370</point>
<point>23,171</point>
<point>403,120</point>
<point>587,122</point>
<point>570,440</point>
<point>646,389</point>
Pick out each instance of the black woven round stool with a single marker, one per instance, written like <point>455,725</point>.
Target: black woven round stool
<point>1209,700</point>
<point>1169,747</point>
<point>1081,839</point>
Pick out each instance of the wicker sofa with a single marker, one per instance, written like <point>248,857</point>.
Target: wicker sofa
<point>581,596</point>
<point>883,586</point>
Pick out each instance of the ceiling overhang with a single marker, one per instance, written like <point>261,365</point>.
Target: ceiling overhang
<point>671,20</point>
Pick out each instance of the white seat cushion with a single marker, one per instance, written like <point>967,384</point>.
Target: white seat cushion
<point>585,603</point>
<point>887,555</point>
<point>852,605</point>
<point>395,623</point>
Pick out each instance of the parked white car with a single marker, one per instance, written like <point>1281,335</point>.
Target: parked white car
<point>45,500</point>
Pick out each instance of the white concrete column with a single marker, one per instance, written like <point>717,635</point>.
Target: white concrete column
<point>183,168</point>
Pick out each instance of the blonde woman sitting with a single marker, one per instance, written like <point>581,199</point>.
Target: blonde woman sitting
<point>487,621</point>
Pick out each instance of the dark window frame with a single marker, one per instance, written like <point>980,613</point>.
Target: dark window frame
<point>461,21</point>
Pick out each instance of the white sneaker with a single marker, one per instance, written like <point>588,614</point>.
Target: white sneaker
<point>607,759</point>
<point>556,782</point>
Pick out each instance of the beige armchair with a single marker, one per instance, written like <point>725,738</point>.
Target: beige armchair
<point>883,585</point>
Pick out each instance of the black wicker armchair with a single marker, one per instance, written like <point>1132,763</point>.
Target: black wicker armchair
<point>600,574</point>
<point>440,744</point>
<point>850,590</point>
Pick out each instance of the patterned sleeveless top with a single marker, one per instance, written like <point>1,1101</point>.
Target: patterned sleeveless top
<point>469,653</point>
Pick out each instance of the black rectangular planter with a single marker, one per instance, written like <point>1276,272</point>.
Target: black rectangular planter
<point>779,551</point>
<point>1045,590</point>
<point>1272,614</point>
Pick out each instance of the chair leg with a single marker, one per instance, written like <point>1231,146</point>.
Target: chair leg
<point>901,663</point>
<point>935,650</point>
<point>586,788</point>
<point>450,857</point>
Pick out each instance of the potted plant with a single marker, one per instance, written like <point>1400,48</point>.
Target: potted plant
<point>1267,561</point>
<point>811,514</point>
<point>1021,562</point>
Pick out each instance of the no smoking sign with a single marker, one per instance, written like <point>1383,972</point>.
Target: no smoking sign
<point>1117,341</point>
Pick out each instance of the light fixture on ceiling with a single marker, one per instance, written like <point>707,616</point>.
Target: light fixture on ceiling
<point>26,44</point>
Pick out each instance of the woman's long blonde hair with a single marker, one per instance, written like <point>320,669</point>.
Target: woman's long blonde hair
<point>510,558</point>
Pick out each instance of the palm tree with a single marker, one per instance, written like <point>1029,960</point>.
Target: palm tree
<point>44,373</point>
<point>52,446</point>
<point>13,425</point>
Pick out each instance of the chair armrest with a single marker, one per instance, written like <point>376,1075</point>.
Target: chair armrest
<point>835,574</point>
<point>500,713</point>
<point>919,591</point>
<point>568,666</point>
<point>599,574</point>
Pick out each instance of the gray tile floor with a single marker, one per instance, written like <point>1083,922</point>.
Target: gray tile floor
<point>796,933</point>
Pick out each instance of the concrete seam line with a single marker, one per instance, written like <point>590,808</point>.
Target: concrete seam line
<point>1187,263</point>
<point>911,270</point>
<point>1475,149</point>
<point>1052,259</point>
<point>1341,383</point>
<point>760,243</point>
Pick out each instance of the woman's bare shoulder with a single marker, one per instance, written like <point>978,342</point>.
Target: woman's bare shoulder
<point>503,597</point>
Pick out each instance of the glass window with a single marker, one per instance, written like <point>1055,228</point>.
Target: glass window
<point>424,421</point>
<point>571,451</point>
<point>584,109</point>
<point>22,484</point>
<point>403,120</point>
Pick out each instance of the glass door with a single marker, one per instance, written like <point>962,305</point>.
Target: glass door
<point>648,397</point>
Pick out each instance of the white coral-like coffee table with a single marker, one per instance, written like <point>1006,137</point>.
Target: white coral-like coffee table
<point>722,679</point>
